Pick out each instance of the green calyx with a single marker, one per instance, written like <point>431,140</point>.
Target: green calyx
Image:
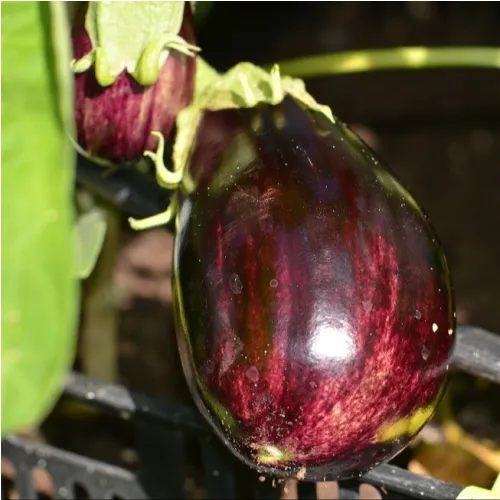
<point>246,86</point>
<point>243,86</point>
<point>272,455</point>
<point>136,37</point>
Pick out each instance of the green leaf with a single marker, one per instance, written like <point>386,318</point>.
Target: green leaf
<point>90,232</point>
<point>39,291</point>
<point>132,36</point>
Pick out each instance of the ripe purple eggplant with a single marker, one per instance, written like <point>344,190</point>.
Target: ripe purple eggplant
<point>313,302</point>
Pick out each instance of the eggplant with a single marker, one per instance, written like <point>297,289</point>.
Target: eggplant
<point>115,122</point>
<point>313,302</point>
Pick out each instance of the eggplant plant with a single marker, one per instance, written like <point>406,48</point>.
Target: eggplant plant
<point>313,303</point>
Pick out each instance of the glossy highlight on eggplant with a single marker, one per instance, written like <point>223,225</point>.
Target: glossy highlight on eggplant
<point>313,302</point>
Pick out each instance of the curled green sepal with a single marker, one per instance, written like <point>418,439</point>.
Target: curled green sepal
<point>155,54</point>
<point>243,86</point>
<point>166,179</point>
<point>136,37</point>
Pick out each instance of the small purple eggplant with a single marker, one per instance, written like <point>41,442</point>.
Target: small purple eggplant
<point>115,120</point>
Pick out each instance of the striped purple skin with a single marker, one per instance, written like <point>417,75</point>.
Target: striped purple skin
<point>313,303</point>
<point>115,122</point>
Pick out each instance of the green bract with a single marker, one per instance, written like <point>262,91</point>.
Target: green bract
<point>132,36</point>
<point>39,290</point>
<point>243,86</point>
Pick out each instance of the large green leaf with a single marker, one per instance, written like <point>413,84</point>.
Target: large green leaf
<point>39,289</point>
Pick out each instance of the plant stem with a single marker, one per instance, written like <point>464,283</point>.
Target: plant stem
<point>401,58</point>
<point>99,342</point>
<point>125,189</point>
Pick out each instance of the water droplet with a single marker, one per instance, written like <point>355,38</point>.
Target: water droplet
<point>425,353</point>
<point>418,314</point>
<point>262,479</point>
<point>253,374</point>
<point>235,284</point>
<point>450,331</point>
<point>42,463</point>
<point>216,473</point>
<point>367,305</point>
<point>90,395</point>
<point>434,327</point>
<point>273,283</point>
<point>63,492</point>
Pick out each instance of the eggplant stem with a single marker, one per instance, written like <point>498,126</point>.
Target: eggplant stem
<point>99,334</point>
<point>402,58</point>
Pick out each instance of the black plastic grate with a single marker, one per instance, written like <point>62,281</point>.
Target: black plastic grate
<point>161,427</point>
